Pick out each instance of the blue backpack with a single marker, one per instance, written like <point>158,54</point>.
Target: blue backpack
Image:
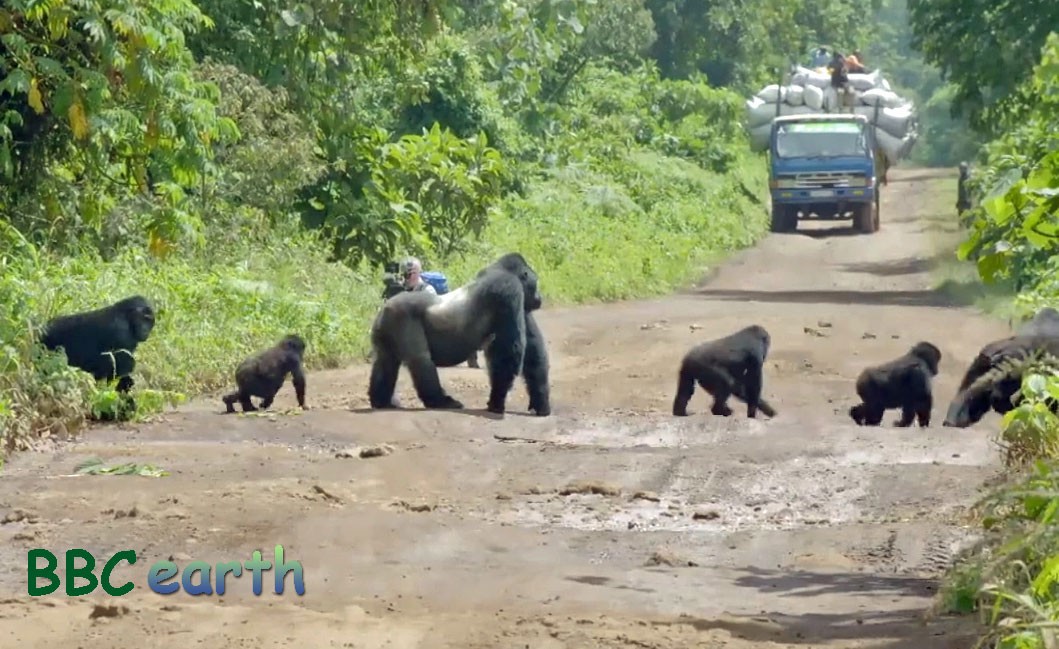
<point>437,280</point>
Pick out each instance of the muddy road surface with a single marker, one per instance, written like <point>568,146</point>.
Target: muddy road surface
<point>609,524</point>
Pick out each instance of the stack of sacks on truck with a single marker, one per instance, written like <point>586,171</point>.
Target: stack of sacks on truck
<point>810,91</point>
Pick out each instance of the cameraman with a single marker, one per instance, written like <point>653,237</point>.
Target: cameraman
<point>413,281</point>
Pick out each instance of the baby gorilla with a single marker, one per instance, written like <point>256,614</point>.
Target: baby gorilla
<point>726,367</point>
<point>262,375</point>
<point>902,383</point>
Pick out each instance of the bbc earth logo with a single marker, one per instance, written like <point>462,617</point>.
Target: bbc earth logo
<point>197,578</point>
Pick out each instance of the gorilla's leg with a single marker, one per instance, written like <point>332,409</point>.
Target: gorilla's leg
<point>504,356</point>
<point>685,390</point>
<point>718,389</point>
<point>873,414</point>
<point>535,369</point>
<point>424,373</point>
<point>383,382</point>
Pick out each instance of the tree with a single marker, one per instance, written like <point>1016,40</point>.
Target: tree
<point>986,48</point>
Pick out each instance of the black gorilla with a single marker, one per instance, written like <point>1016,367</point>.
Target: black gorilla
<point>1044,323</point>
<point>263,374</point>
<point>904,383</point>
<point>989,384</point>
<point>725,367</point>
<point>426,331</point>
<point>89,338</point>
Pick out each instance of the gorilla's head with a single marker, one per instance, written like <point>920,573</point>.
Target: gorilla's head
<point>969,406</point>
<point>929,354</point>
<point>294,343</point>
<point>139,314</point>
<point>516,264</point>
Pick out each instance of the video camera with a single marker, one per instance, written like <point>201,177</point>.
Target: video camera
<point>393,282</point>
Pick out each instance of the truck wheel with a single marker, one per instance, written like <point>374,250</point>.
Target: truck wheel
<point>784,218</point>
<point>866,218</point>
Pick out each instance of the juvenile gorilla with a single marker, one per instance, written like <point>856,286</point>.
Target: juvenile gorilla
<point>904,383</point>
<point>263,374</point>
<point>729,366</point>
<point>987,384</point>
<point>426,331</point>
<point>89,338</point>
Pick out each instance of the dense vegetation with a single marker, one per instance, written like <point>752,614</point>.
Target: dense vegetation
<point>250,165</point>
<point>1011,97</point>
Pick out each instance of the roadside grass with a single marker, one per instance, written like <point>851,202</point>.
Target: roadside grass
<point>1009,580</point>
<point>959,280</point>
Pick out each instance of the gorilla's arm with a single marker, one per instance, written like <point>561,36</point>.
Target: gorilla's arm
<point>535,369</point>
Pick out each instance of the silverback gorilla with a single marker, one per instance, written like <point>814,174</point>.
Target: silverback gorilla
<point>901,383</point>
<point>1044,323</point>
<point>726,367</point>
<point>89,338</point>
<point>425,331</point>
<point>988,384</point>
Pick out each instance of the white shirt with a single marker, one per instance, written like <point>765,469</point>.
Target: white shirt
<point>425,286</point>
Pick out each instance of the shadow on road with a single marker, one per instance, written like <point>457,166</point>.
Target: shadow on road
<point>828,233</point>
<point>804,583</point>
<point>904,629</point>
<point>906,266</point>
<point>947,296</point>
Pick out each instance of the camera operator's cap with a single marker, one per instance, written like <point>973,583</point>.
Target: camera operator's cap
<point>411,265</point>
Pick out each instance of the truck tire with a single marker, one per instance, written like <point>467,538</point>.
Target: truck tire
<point>784,218</point>
<point>866,218</point>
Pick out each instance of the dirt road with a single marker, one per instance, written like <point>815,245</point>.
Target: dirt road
<point>801,531</point>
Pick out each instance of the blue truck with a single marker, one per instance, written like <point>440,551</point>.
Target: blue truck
<point>824,166</point>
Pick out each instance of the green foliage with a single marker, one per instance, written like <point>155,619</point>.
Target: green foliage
<point>1015,228</point>
<point>746,43</point>
<point>986,49</point>
<point>440,187</point>
<point>944,140</point>
<point>1012,578</point>
<point>103,125</point>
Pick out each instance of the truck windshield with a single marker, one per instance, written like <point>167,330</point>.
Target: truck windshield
<point>820,139</point>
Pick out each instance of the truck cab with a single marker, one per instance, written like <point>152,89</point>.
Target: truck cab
<point>825,166</point>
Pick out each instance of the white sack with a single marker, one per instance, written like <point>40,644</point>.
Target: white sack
<point>866,81</point>
<point>893,148</point>
<point>794,95</point>
<point>759,137</point>
<point>830,103</point>
<point>895,121</point>
<point>805,77</point>
<point>772,93</point>
<point>813,97</point>
<point>881,97</point>
<point>759,111</point>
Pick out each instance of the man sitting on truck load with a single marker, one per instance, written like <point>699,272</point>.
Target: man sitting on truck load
<point>820,57</point>
<point>853,62</point>
<point>840,80</point>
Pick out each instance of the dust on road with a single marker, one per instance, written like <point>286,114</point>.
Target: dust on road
<point>609,524</point>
